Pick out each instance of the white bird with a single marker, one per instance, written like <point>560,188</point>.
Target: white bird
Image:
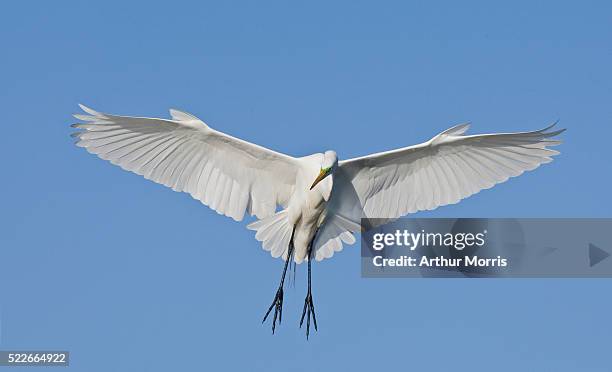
<point>321,199</point>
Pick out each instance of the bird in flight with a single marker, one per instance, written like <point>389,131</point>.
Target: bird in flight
<point>308,207</point>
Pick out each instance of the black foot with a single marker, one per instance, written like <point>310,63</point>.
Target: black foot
<point>308,307</point>
<point>277,304</point>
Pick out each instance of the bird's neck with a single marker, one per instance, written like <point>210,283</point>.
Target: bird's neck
<point>325,187</point>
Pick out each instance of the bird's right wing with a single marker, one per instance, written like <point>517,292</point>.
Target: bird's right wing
<point>449,167</point>
<point>228,174</point>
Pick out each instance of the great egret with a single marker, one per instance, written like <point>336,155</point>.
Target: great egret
<point>322,199</point>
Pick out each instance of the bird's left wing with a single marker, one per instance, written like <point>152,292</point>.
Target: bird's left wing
<point>449,167</point>
<point>228,174</point>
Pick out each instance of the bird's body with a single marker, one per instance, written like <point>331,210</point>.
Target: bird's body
<point>308,207</point>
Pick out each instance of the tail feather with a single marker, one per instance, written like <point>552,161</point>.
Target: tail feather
<point>274,232</point>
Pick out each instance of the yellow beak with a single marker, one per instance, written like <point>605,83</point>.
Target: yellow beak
<point>322,174</point>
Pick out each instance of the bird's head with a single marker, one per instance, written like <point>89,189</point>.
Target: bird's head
<point>329,163</point>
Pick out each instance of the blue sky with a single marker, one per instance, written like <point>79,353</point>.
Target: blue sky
<point>130,276</point>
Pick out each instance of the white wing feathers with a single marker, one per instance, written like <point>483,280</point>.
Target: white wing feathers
<point>228,174</point>
<point>233,176</point>
<point>441,171</point>
<point>335,231</point>
<point>444,170</point>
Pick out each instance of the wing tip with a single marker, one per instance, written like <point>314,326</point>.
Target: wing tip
<point>93,114</point>
<point>545,131</point>
<point>88,110</point>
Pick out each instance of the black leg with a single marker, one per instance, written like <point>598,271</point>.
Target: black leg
<point>308,303</point>
<point>277,304</point>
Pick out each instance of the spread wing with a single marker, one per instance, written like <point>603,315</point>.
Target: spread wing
<point>449,167</point>
<point>228,174</point>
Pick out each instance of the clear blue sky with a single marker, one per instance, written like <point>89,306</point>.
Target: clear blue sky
<point>130,276</point>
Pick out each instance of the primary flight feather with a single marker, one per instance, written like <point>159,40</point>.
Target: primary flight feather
<point>322,200</point>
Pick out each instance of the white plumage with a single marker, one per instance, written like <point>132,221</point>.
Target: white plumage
<point>235,177</point>
<point>229,175</point>
<point>321,200</point>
